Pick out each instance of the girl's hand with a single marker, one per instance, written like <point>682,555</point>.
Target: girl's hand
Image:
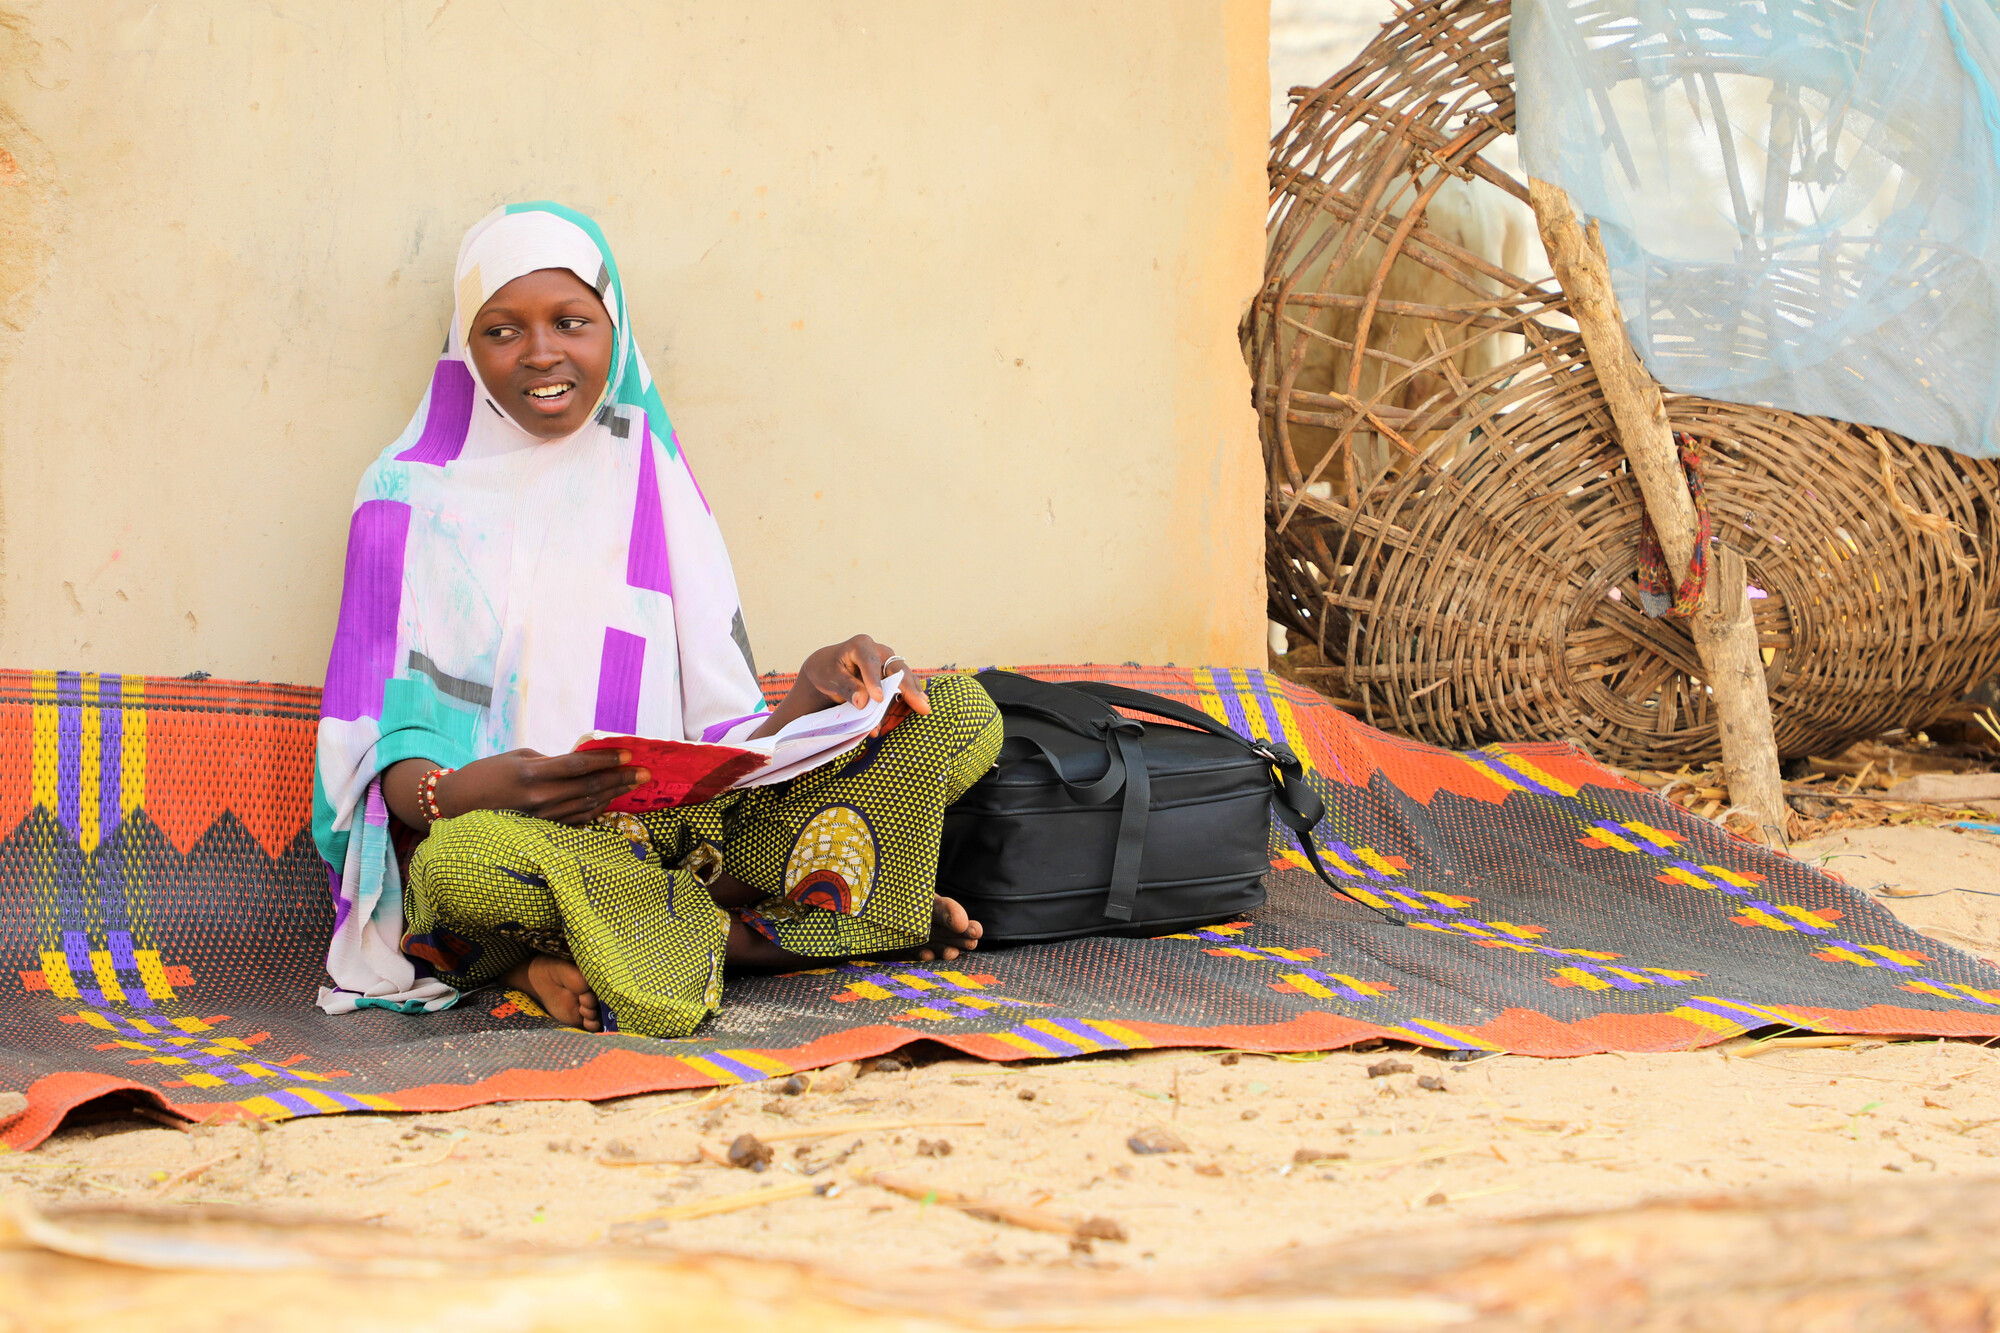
<point>852,673</point>
<point>566,788</point>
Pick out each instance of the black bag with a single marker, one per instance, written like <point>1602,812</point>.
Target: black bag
<point>1092,823</point>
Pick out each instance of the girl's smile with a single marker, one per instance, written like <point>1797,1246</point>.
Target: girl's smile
<point>543,346</point>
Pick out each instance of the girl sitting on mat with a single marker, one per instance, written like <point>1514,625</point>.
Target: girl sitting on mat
<point>533,560</point>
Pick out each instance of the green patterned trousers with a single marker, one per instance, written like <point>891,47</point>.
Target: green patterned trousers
<point>845,856</point>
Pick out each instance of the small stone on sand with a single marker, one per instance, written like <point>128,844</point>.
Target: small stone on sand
<point>1307,1156</point>
<point>750,1152</point>
<point>1153,1139</point>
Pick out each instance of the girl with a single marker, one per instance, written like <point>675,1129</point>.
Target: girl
<point>533,560</point>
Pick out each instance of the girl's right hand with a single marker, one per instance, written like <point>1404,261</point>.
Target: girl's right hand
<point>567,788</point>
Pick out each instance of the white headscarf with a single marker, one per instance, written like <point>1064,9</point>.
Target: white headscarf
<point>505,591</point>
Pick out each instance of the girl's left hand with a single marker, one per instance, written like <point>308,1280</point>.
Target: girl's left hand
<point>852,672</point>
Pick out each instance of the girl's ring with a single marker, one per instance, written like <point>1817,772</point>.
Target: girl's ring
<point>897,658</point>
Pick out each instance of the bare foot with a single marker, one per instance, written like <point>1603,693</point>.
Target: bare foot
<point>747,948</point>
<point>558,986</point>
<point>953,931</point>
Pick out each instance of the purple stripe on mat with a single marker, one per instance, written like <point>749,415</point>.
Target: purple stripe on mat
<point>618,681</point>
<point>1267,707</point>
<point>715,732</point>
<point>69,750</point>
<point>364,640</point>
<point>1501,760</point>
<point>1227,690</point>
<point>110,761</point>
<point>748,1073</point>
<point>1087,1033</point>
<point>646,553</point>
<point>1047,1041</point>
<point>76,953</point>
<point>125,965</point>
<point>450,415</point>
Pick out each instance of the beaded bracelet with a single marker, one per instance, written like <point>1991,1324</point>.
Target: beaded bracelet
<point>427,793</point>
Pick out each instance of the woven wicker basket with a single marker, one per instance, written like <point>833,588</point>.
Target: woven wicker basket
<point>1452,529</point>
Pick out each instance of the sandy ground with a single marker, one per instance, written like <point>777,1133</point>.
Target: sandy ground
<point>1276,1151</point>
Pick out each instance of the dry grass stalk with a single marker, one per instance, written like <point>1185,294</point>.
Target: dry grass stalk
<point>1813,1042</point>
<point>195,1172</point>
<point>1426,1155</point>
<point>991,1210</point>
<point>728,1203</point>
<point>865,1127</point>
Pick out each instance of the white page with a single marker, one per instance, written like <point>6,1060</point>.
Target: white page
<point>807,742</point>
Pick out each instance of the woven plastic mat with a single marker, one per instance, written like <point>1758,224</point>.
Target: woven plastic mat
<point>163,916</point>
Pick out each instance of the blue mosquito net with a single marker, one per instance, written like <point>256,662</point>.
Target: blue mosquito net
<point>1797,197</point>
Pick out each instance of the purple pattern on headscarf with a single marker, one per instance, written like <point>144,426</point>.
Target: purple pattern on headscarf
<point>693,480</point>
<point>716,731</point>
<point>450,415</point>
<point>618,674</point>
<point>364,641</point>
<point>646,554</point>
<point>342,904</point>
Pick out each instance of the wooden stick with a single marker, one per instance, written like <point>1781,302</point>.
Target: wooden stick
<point>1814,1042</point>
<point>989,1210</point>
<point>728,1203</point>
<point>1725,635</point>
<point>1867,796</point>
<point>196,1171</point>
<point>865,1127</point>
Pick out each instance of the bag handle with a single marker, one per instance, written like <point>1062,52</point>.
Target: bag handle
<point>1139,701</point>
<point>1100,790</point>
<point>1068,708</point>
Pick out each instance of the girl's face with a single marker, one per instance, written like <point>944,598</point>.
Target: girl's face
<point>543,347</point>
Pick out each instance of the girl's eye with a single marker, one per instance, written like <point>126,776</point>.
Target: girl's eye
<point>571,323</point>
<point>499,331</point>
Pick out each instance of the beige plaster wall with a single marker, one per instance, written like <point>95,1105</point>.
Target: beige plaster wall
<point>942,297</point>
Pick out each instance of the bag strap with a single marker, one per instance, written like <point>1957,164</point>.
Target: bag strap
<point>1126,767</point>
<point>1122,903</point>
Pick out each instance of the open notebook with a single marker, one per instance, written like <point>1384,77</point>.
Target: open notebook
<point>690,772</point>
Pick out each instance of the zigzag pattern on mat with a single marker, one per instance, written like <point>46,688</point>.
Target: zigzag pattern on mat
<point>163,915</point>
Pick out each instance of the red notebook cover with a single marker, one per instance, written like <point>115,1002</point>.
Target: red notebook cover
<point>683,772</point>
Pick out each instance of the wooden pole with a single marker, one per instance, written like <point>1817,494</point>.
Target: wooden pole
<point>1725,635</point>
